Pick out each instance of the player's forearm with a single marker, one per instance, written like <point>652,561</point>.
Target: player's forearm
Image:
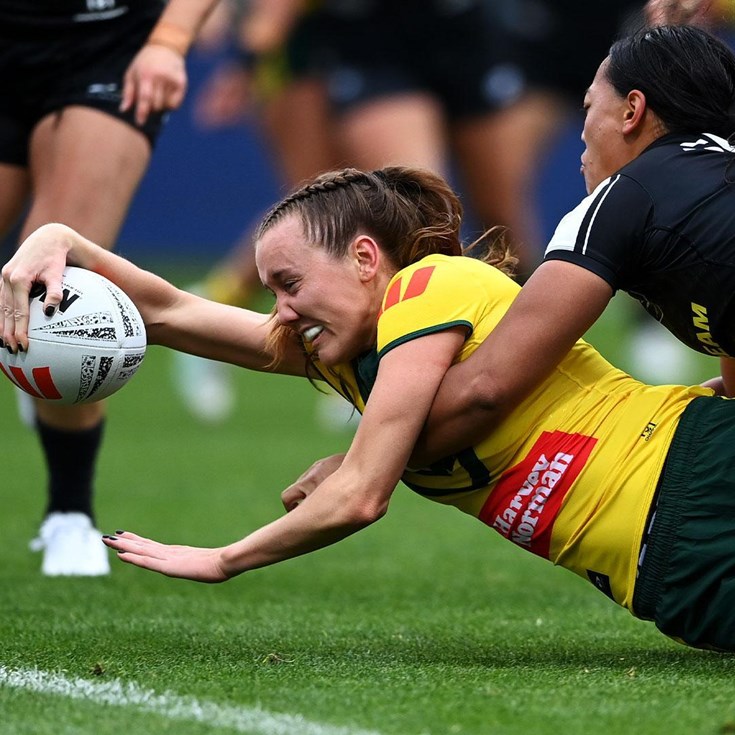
<point>150,293</point>
<point>180,23</point>
<point>160,303</point>
<point>327,516</point>
<point>552,311</point>
<point>460,417</point>
<point>727,370</point>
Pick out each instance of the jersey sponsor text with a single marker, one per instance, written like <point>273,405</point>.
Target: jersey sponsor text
<point>701,324</point>
<point>526,500</point>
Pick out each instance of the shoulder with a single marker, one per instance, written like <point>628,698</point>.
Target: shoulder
<point>610,206</point>
<point>440,292</point>
<point>602,231</point>
<point>435,275</point>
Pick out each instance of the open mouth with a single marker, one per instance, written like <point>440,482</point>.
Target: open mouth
<point>312,333</point>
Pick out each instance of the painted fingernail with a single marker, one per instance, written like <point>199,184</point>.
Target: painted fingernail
<point>20,348</point>
<point>107,536</point>
<point>7,347</point>
<point>49,310</point>
<point>119,531</point>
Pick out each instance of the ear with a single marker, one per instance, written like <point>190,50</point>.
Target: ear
<point>367,256</point>
<point>635,110</point>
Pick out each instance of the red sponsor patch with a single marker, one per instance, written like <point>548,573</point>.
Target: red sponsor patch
<point>526,499</point>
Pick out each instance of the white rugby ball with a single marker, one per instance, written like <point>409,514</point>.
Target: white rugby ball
<point>90,348</point>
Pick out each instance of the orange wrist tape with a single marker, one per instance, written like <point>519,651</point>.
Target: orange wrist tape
<point>172,36</point>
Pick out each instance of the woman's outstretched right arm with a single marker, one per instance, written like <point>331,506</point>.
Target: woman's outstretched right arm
<point>173,318</point>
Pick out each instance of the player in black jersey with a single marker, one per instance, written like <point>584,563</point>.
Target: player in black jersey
<point>659,222</point>
<point>71,152</point>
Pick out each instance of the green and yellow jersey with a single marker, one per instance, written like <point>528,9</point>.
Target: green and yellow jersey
<point>571,474</point>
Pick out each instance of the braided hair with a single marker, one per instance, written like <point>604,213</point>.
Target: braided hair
<point>411,213</point>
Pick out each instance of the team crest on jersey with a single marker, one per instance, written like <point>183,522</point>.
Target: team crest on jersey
<point>97,5</point>
<point>708,142</point>
<point>526,499</point>
<point>416,286</point>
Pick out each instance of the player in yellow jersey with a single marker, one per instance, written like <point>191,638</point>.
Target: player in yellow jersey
<point>625,484</point>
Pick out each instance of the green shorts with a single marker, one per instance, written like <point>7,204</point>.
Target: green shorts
<point>686,580</point>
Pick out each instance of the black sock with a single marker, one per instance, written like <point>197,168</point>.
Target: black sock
<point>70,459</point>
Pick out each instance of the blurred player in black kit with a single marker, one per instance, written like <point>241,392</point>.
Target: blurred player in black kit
<point>75,140</point>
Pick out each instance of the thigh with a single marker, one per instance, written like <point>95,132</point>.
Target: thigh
<point>15,187</point>
<point>405,129</point>
<point>499,155</point>
<point>85,167</point>
<point>299,127</point>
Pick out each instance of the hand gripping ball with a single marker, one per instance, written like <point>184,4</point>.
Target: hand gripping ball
<point>90,348</point>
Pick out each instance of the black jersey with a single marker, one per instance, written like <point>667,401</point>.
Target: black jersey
<point>58,14</point>
<point>663,230</point>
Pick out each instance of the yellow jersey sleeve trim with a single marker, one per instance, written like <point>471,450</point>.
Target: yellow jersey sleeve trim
<point>425,331</point>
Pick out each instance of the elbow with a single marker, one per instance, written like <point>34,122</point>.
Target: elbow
<point>356,497</point>
<point>363,514</point>
<point>164,319</point>
<point>482,393</point>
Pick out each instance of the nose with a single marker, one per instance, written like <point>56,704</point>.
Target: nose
<point>287,315</point>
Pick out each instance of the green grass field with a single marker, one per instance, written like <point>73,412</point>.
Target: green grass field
<point>425,624</point>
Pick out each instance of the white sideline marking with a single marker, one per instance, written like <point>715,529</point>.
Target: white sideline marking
<point>253,721</point>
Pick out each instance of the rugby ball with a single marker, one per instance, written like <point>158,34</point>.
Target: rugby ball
<point>90,348</point>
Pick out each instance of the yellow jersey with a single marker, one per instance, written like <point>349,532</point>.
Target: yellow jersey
<point>571,473</point>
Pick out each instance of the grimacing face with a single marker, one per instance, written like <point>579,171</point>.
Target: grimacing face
<point>606,150</point>
<point>321,297</point>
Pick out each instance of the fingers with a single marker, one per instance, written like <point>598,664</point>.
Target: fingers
<point>291,497</point>
<point>128,92</point>
<point>144,562</point>
<point>185,562</point>
<point>14,302</point>
<point>125,542</point>
<point>141,552</point>
<point>35,271</point>
<point>174,97</point>
<point>154,96</point>
<point>310,480</point>
<point>161,564</point>
<point>155,82</point>
<point>144,101</point>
